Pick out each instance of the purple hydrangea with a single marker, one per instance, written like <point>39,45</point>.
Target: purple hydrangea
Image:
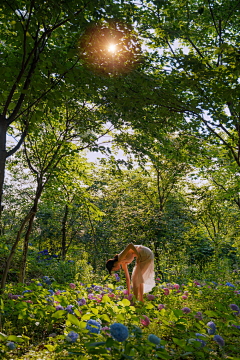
<point>82,302</point>
<point>186,310</point>
<point>199,315</point>
<point>212,327</point>
<point>235,308</point>
<point>219,340</point>
<point>59,307</point>
<point>69,309</point>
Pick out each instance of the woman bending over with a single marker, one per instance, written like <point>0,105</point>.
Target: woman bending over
<point>143,272</point>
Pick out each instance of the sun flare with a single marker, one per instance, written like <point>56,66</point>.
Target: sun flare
<point>112,48</point>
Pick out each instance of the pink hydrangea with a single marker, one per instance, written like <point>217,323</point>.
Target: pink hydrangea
<point>111,295</point>
<point>158,279</point>
<point>106,330</point>
<point>58,292</point>
<point>176,286</point>
<point>178,291</point>
<point>72,286</point>
<point>125,292</point>
<point>184,297</point>
<point>166,291</point>
<point>160,307</point>
<point>150,297</point>
<point>91,296</point>
<point>145,321</point>
<point>29,301</point>
<point>186,293</point>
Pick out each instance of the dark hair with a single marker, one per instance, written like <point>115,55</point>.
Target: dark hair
<point>110,263</point>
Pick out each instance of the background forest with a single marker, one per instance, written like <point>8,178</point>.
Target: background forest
<point>153,88</point>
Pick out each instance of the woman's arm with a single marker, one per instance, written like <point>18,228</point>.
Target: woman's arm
<point>126,250</point>
<point>124,266</point>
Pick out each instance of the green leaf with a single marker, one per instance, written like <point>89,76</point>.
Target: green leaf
<point>50,347</point>
<point>59,314</point>
<point>73,320</point>
<point>15,338</point>
<point>95,344</point>
<point>211,313</point>
<point>125,302</point>
<point>179,342</point>
<point>105,317</point>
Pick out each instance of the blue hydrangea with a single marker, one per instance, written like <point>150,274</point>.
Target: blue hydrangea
<point>93,326</point>
<point>39,284</point>
<point>230,285</point>
<point>120,287</point>
<point>72,337</point>
<point>154,339</point>
<point>212,329</point>
<point>50,300</point>
<point>219,340</point>
<point>26,291</point>
<point>203,343</point>
<point>30,244</point>
<point>119,332</point>
<point>11,345</point>
<point>51,292</point>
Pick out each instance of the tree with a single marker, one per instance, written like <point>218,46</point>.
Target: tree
<point>39,58</point>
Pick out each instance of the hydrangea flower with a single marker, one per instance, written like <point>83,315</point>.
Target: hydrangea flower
<point>120,287</point>
<point>72,286</point>
<point>230,285</point>
<point>130,297</point>
<point>11,345</point>
<point>82,302</point>
<point>51,292</point>
<point>219,340</point>
<point>125,292</point>
<point>69,309</point>
<point>145,321</point>
<point>176,286</point>
<point>203,343</point>
<point>199,315</point>
<point>59,307</point>
<point>91,296</point>
<point>58,292</point>
<point>150,297</point>
<point>186,310</point>
<point>160,307</point>
<point>166,291</point>
<point>106,329</point>
<point>154,339</point>
<point>93,326</point>
<point>39,284</point>
<point>235,308</point>
<point>119,332</point>
<point>212,327</point>
<point>26,291</point>
<point>184,297</point>
<point>72,337</point>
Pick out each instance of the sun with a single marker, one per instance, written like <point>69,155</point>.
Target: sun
<point>112,48</point>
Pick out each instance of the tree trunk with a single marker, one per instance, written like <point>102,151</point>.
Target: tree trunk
<point>3,156</point>
<point>26,240</point>
<point>8,262</point>
<point>64,222</point>
<point>25,250</point>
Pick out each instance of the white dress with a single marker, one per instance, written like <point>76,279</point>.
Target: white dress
<point>143,272</point>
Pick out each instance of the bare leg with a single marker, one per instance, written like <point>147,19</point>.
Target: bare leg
<point>135,291</point>
<point>141,292</point>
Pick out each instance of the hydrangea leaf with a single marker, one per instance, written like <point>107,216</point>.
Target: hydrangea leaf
<point>59,314</point>
<point>73,320</point>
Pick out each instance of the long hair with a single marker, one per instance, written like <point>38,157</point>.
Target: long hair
<point>110,263</point>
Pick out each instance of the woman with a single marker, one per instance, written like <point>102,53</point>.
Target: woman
<point>143,272</point>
